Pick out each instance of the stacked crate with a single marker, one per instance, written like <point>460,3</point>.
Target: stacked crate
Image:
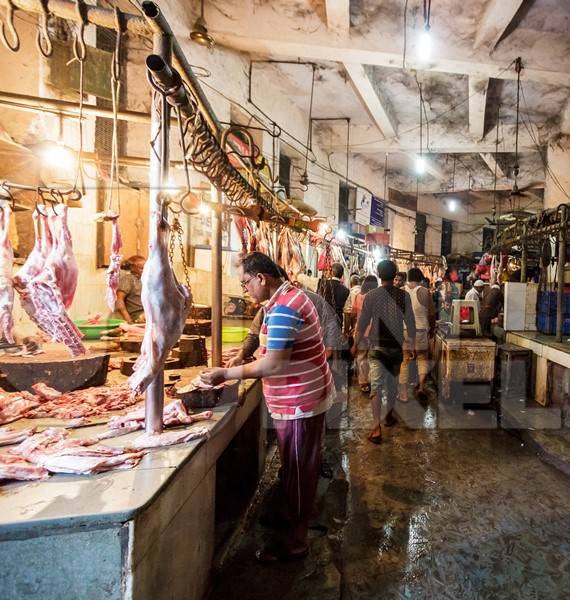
<point>546,315</point>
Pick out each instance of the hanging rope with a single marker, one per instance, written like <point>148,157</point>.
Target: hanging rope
<point>115,98</point>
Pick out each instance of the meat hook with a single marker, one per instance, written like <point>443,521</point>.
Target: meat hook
<point>43,32</point>
<point>10,197</point>
<point>79,47</point>
<point>14,45</point>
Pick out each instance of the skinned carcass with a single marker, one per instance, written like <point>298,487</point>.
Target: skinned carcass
<point>61,258</point>
<point>290,254</point>
<point>114,270</point>
<point>40,295</point>
<point>6,284</point>
<point>166,304</point>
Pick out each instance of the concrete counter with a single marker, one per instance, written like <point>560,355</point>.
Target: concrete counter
<point>143,533</point>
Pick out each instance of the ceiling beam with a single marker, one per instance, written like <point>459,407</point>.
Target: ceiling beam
<point>565,119</point>
<point>496,18</point>
<point>350,52</point>
<point>338,15</point>
<point>478,88</point>
<point>367,94</point>
<point>490,161</point>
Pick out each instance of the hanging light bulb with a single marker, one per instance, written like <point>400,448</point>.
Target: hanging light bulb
<point>341,235</point>
<point>452,204</point>
<point>199,33</point>
<point>420,165</point>
<point>425,45</point>
<point>205,209</point>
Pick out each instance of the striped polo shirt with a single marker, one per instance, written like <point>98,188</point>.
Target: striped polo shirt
<point>307,388</point>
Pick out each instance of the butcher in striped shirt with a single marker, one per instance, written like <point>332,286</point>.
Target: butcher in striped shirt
<point>298,390</point>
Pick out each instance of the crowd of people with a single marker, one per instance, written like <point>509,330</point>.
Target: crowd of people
<point>306,342</point>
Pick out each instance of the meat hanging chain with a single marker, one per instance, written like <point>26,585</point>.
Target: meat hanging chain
<point>6,284</point>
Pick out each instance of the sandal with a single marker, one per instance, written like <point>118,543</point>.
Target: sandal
<point>365,388</point>
<point>374,437</point>
<point>277,552</point>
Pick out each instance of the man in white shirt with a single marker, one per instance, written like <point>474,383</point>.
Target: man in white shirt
<point>355,288</point>
<point>476,292</point>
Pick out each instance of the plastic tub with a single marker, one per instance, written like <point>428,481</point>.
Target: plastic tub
<point>93,332</point>
<point>234,334</point>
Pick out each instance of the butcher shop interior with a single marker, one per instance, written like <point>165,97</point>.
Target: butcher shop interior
<point>284,299</point>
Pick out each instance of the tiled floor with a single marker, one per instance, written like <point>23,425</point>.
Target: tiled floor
<point>431,513</point>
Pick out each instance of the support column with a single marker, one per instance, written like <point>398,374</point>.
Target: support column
<point>523,257</point>
<point>158,173</point>
<point>217,280</point>
<point>560,276</point>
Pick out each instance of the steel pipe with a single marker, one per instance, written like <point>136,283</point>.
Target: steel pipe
<point>560,274</point>
<point>217,282</point>
<point>158,173</point>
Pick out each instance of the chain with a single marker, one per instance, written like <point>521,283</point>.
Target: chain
<point>176,236</point>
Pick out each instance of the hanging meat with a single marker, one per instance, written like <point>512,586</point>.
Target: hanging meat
<point>114,270</point>
<point>166,303</point>
<point>245,233</point>
<point>40,294</point>
<point>6,284</point>
<point>290,254</point>
<point>61,258</point>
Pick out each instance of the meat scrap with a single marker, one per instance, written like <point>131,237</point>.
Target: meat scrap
<point>166,304</point>
<point>169,438</point>
<point>174,414</point>
<point>9,435</point>
<point>53,450</point>
<point>14,405</point>
<point>19,469</point>
<point>6,285</point>
<point>45,392</point>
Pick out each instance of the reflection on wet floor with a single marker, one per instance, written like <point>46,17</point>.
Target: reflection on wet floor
<point>431,513</point>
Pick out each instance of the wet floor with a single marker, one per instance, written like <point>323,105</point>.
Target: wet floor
<point>432,513</point>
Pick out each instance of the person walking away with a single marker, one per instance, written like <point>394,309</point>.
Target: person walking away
<point>298,389</point>
<point>385,311</point>
<point>355,288</point>
<point>476,292</point>
<point>424,315</point>
<point>334,291</point>
<point>129,302</point>
<point>370,283</point>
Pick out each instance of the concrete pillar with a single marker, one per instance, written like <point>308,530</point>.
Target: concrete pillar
<point>558,157</point>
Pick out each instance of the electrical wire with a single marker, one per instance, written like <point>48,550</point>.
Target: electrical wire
<point>405,34</point>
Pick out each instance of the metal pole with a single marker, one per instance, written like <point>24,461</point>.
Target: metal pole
<point>523,256</point>
<point>67,9</point>
<point>560,275</point>
<point>67,108</point>
<point>217,283</point>
<point>158,172</point>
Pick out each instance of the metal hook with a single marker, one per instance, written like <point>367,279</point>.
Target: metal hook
<point>6,189</point>
<point>79,47</point>
<point>43,32</point>
<point>13,46</point>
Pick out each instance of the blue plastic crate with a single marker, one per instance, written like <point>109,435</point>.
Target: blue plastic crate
<point>548,301</point>
<point>547,324</point>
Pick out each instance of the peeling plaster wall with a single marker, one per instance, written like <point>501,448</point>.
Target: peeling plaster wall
<point>559,162</point>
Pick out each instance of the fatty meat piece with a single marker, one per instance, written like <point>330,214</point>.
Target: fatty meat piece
<point>9,435</point>
<point>45,392</point>
<point>6,284</point>
<point>169,438</point>
<point>19,469</point>
<point>166,306</point>
<point>15,405</point>
<point>88,465</point>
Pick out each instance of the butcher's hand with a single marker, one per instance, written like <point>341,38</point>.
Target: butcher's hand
<point>236,361</point>
<point>213,376</point>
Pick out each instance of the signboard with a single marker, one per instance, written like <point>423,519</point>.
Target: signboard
<point>377,212</point>
<point>363,206</point>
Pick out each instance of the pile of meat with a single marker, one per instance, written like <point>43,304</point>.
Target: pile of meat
<point>47,402</point>
<point>81,403</point>
<point>54,451</point>
<point>47,281</point>
<point>10,436</point>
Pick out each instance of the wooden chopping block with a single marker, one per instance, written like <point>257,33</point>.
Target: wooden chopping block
<point>129,362</point>
<point>131,345</point>
<point>56,369</point>
<point>198,327</point>
<point>202,311</point>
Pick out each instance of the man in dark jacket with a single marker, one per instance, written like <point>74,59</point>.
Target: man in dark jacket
<point>385,311</point>
<point>334,291</point>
